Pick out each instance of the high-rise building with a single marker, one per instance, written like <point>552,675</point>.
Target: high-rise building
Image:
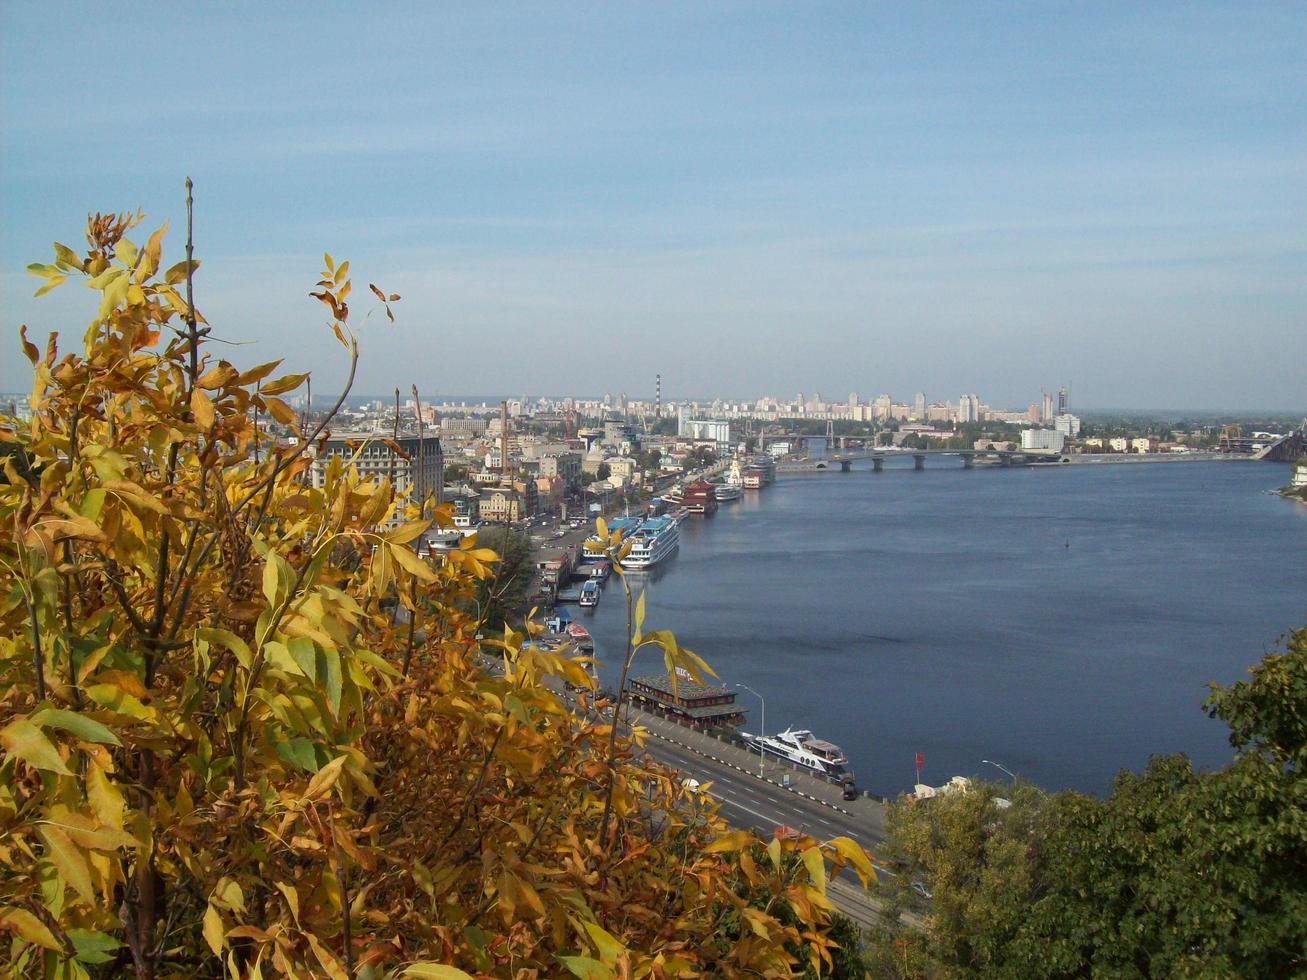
<point>969,408</point>
<point>882,407</point>
<point>1063,400</point>
<point>919,406</point>
<point>1046,407</point>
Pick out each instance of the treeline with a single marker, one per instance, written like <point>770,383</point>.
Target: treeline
<point>1175,873</point>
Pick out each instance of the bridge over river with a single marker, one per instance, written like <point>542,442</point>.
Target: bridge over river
<point>843,462</point>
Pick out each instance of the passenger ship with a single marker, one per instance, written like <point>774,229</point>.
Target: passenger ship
<point>804,749</point>
<point>655,540</point>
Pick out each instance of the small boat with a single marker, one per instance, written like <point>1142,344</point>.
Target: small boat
<point>570,594</point>
<point>589,594</point>
<point>601,570</point>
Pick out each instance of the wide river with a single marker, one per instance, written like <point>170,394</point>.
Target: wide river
<point>1064,622</point>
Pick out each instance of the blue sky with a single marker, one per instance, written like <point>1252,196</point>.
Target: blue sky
<point>750,198</point>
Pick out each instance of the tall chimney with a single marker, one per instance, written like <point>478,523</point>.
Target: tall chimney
<point>503,442</point>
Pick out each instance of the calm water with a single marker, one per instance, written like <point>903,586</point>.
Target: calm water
<point>1064,622</point>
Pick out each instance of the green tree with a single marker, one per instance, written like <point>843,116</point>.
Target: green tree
<point>455,473</point>
<point>1175,873</point>
<point>498,599</point>
<point>603,472</point>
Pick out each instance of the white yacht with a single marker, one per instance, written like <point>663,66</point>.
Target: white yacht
<point>590,593</point>
<point>655,539</point>
<point>800,746</point>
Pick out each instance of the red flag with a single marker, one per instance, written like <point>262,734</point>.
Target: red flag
<point>920,760</point>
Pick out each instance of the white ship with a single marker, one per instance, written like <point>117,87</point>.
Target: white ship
<point>804,749</point>
<point>727,491</point>
<point>656,538</point>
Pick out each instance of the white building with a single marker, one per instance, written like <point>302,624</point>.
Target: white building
<point>1300,474</point>
<point>1068,425</point>
<point>1049,440</point>
<point>969,408</point>
<point>717,430</point>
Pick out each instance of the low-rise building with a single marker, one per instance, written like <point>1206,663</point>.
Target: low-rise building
<point>697,705</point>
<point>509,504</point>
<point>1300,473</point>
<point>1119,444</point>
<point>1143,444</point>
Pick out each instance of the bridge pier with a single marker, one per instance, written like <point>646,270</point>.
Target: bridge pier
<point>920,461</point>
<point>968,461</point>
<point>846,465</point>
<point>878,464</point>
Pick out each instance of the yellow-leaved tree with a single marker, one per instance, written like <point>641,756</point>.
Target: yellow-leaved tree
<point>226,752</point>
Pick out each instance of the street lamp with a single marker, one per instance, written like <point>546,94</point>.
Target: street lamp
<point>996,765</point>
<point>762,724</point>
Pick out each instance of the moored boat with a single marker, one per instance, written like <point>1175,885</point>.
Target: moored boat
<point>657,538</point>
<point>801,747</point>
<point>725,492</point>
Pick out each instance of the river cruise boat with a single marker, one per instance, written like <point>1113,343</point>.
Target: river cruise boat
<point>589,594</point>
<point>700,498</point>
<point>767,466</point>
<point>726,492</point>
<point>753,478</point>
<point>801,747</point>
<point>655,540</point>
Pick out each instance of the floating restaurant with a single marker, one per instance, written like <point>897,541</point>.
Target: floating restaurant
<point>693,704</point>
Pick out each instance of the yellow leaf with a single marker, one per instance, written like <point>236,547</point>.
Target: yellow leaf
<point>279,410</point>
<point>412,564</point>
<point>202,409</point>
<point>105,798</point>
<point>69,859</point>
<point>216,376</point>
<point>855,854</point>
<point>28,927</point>
<point>606,945</point>
<point>213,931</point>
<point>25,741</point>
<point>407,532</point>
<point>150,258</point>
<point>114,698</point>
<point>324,779</point>
<point>774,852</point>
<point>287,382</point>
<point>733,841</point>
<point>434,971</point>
<point>816,865</point>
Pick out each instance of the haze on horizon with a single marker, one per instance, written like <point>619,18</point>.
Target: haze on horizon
<point>751,199</point>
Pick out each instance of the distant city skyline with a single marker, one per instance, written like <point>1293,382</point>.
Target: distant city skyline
<point>749,199</point>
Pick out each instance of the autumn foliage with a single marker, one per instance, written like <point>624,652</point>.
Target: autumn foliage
<point>247,730</point>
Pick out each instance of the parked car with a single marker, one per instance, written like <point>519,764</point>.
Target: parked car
<point>851,792</point>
